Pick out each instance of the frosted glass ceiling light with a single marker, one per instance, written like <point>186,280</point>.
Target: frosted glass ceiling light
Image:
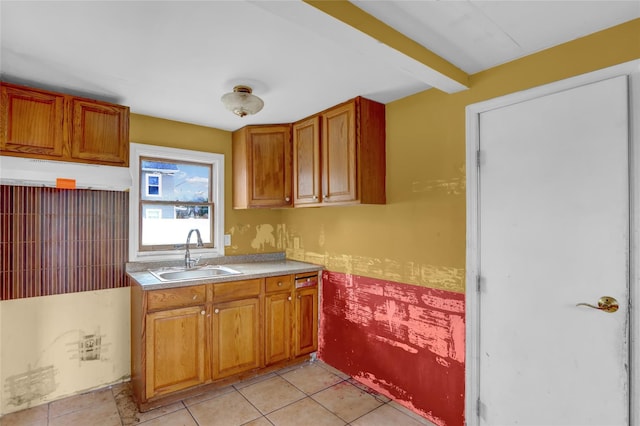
<point>241,101</point>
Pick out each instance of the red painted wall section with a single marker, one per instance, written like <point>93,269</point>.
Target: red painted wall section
<point>404,341</point>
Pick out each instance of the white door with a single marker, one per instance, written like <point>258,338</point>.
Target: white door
<point>553,221</point>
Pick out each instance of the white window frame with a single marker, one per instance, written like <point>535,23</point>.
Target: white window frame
<point>147,185</point>
<point>216,161</point>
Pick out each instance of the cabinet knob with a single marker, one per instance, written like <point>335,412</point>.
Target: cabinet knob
<point>315,197</point>
<point>326,196</point>
<point>202,312</point>
<point>299,297</point>
<point>279,283</point>
<point>287,199</point>
<point>216,311</point>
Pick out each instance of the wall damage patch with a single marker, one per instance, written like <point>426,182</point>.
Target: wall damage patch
<point>30,386</point>
<point>415,333</point>
<point>89,346</point>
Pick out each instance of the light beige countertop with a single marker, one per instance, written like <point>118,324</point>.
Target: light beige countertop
<point>252,266</point>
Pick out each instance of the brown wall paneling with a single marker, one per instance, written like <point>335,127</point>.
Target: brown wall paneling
<point>56,241</point>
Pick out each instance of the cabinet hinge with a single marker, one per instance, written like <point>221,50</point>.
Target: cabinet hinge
<point>478,158</point>
<point>478,407</point>
<point>478,283</point>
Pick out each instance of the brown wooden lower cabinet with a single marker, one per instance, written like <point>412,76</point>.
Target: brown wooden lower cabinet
<point>175,347</point>
<point>306,321</point>
<point>186,339</point>
<point>236,337</point>
<point>278,321</point>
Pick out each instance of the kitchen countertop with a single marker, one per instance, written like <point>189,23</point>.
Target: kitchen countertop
<point>260,268</point>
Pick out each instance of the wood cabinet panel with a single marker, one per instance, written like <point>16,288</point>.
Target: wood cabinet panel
<point>236,289</point>
<point>306,161</point>
<point>175,297</point>
<point>262,166</point>
<point>100,132</point>
<point>279,283</point>
<point>277,327</point>
<point>339,166</point>
<point>32,122</point>
<point>236,337</point>
<point>175,348</point>
<point>306,321</point>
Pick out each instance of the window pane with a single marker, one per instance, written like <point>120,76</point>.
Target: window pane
<point>185,182</point>
<point>169,224</point>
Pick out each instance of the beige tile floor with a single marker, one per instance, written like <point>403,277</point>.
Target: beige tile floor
<point>313,394</point>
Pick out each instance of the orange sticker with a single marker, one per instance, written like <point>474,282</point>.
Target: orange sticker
<point>63,183</point>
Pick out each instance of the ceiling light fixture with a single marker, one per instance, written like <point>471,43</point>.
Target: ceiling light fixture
<point>241,101</point>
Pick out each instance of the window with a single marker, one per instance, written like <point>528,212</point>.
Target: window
<point>175,191</point>
<point>154,185</point>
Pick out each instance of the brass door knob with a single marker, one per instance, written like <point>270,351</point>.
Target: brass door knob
<point>605,303</point>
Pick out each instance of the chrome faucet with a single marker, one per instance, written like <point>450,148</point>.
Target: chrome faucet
<point>188,262</point>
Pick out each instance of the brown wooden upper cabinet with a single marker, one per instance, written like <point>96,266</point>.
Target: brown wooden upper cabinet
<point>339,156</point>
<point>43,124</point>
<point>262,166</point>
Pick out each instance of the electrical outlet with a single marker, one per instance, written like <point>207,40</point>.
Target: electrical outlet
<point>227,240</point>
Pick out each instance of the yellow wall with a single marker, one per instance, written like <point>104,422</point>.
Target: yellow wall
<point>418,237</point>
<point>252,231</point>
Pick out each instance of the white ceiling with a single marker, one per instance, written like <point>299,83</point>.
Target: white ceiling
<point>175,59</point>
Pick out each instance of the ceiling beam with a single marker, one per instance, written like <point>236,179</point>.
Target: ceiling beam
<point>439,72</point>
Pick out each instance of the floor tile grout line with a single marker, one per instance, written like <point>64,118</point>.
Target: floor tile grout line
<point>370,411</point>
<point>190,413</point>
<point>310,394</point>
<point>279,408</point>
<point>257,409</point>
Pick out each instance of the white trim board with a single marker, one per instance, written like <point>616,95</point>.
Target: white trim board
<point>631,69</point>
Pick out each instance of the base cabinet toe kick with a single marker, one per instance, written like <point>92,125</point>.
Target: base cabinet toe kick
<point>186,340</point>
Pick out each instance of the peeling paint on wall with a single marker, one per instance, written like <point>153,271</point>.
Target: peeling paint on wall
<point>451,186</point>
<point>267,237</point>
<point>437,277</point>
<point>415,333</point>
<point>264,237</point>
<point>30,386</point>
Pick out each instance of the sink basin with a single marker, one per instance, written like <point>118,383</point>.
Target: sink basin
<point>182,274</point>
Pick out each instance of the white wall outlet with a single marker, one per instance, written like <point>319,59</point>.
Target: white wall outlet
<point>227,240</point>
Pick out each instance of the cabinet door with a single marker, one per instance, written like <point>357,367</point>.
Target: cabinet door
<point>277,327</point>
<point>32,122</point>
<point>306,162</point>
<point>99,132</point>
<point>306,321</point>
<point>269,157</point>
<point>175,350</point>
<point>236,337</point>
<point>339,172</point>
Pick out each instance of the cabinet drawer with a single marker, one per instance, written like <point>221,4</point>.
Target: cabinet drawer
<point>281,283</point>
<point>176,297</point>
<point>236,289</point>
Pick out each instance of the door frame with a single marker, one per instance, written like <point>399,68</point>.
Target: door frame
<point>473,280</point>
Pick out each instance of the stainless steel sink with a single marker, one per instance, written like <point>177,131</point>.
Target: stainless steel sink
<point>182,274</point>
